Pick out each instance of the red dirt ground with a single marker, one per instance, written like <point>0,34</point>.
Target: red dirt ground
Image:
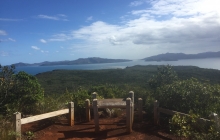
<point>110,129</point>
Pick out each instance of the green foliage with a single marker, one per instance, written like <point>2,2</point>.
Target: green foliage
<point>13,134</point>
<point>6,129</point>
<point>29,135</point>
<point>116,112</point>
<point>79,98</point>
<point>26,92</point>
<point>193,128</point>
<point>187,95</point>
<point>19,92</point>
<point>174,90</point>
<point>80,94</point>
<point>165,75</point>
<point>108,91</point>
<point>6,79</point>
<point>58,81</point>
<point>55,102</point>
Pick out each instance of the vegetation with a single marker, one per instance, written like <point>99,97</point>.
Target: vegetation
<point>185,89</point>
<point>58,81</point>
<point>191,127</point>
<point>19,92</point>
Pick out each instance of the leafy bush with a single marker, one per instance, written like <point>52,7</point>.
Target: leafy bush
<point>165,75</point>
<point>6,128</point>
<point>187,95</point>
<point>19,92</point>
<point>193,128</point>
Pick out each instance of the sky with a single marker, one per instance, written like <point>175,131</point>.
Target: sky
<point>56,30</point>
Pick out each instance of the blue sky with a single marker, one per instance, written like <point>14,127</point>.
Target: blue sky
<point>54,30</point>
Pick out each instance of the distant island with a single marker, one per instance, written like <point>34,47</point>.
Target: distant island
<point>91,60</point>
<point>181,56</point>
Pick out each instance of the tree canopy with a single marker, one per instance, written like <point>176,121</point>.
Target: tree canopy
<point>19,92</point>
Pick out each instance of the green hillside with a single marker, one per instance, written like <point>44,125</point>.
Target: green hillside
<point>58,81</point>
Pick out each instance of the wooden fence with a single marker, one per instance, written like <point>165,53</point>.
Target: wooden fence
<point>158,110</point>
<point>18,121</point>
<point>127,104</point>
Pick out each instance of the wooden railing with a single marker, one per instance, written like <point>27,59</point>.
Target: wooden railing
<point>18,121</point>
<point>158,110</point>
<point>127,104</point>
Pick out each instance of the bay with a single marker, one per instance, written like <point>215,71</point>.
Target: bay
<point>210,63</point>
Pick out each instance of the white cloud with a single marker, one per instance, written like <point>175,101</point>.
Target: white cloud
<point>136,3</point>
<point>3,53</point>
<point>167,25</point>
<point>43,41</point>
<point>48,17</point>
<point>2,32</point>
<point>89,18</point>
<point>6,40</point>
<point>180,8</point>
<point>38,49</point>
<point>174,22</point>
<point>10,39</point>
<point>8,19</point>
<point>61,37</point>
<point>55,17</point>
<point>35,48</point>
<point>97,31</point>
<point>61,15</point>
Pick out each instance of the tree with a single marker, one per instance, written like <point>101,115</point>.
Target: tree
<point>19,92</point>
<point>165,75</point>
<point>27,91</point>
<point>186,95</point>
<point>6,78</point>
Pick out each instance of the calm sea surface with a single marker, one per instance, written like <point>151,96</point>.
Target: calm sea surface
<point>212,63</point>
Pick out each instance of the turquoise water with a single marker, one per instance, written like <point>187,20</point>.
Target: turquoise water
<point>212,63</point>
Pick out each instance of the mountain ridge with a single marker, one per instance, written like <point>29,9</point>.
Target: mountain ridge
<point>181,56</point>
<point>90,60</point>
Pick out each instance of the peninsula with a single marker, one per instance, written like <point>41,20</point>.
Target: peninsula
<point>181,56</point>
<point>90,60</point>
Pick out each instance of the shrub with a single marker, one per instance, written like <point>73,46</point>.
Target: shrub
<point>193,128</point>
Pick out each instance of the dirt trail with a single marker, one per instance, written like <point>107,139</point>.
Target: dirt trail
<point>110,129</point>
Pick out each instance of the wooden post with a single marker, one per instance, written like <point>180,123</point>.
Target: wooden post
<point>94,95</point>
<point>128,115</point>
<point>131,95</point>
<point>17,125</point>
<point>96,117</point>
<point>214,117</point>
<point>140,108</point>
<point>71,113</point>
<point>87,104</point>
<point>156,113</point>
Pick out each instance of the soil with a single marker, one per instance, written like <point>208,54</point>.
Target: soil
<point>110,129</point>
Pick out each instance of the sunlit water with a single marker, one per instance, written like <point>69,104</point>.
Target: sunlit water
<point>212,63</point>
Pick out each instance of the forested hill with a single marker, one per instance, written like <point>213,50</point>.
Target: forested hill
<point>180,56</point>
<point>58,81</point>
<point>91,60</point>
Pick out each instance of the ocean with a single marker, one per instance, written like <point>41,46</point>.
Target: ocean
<point>210,63</point>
